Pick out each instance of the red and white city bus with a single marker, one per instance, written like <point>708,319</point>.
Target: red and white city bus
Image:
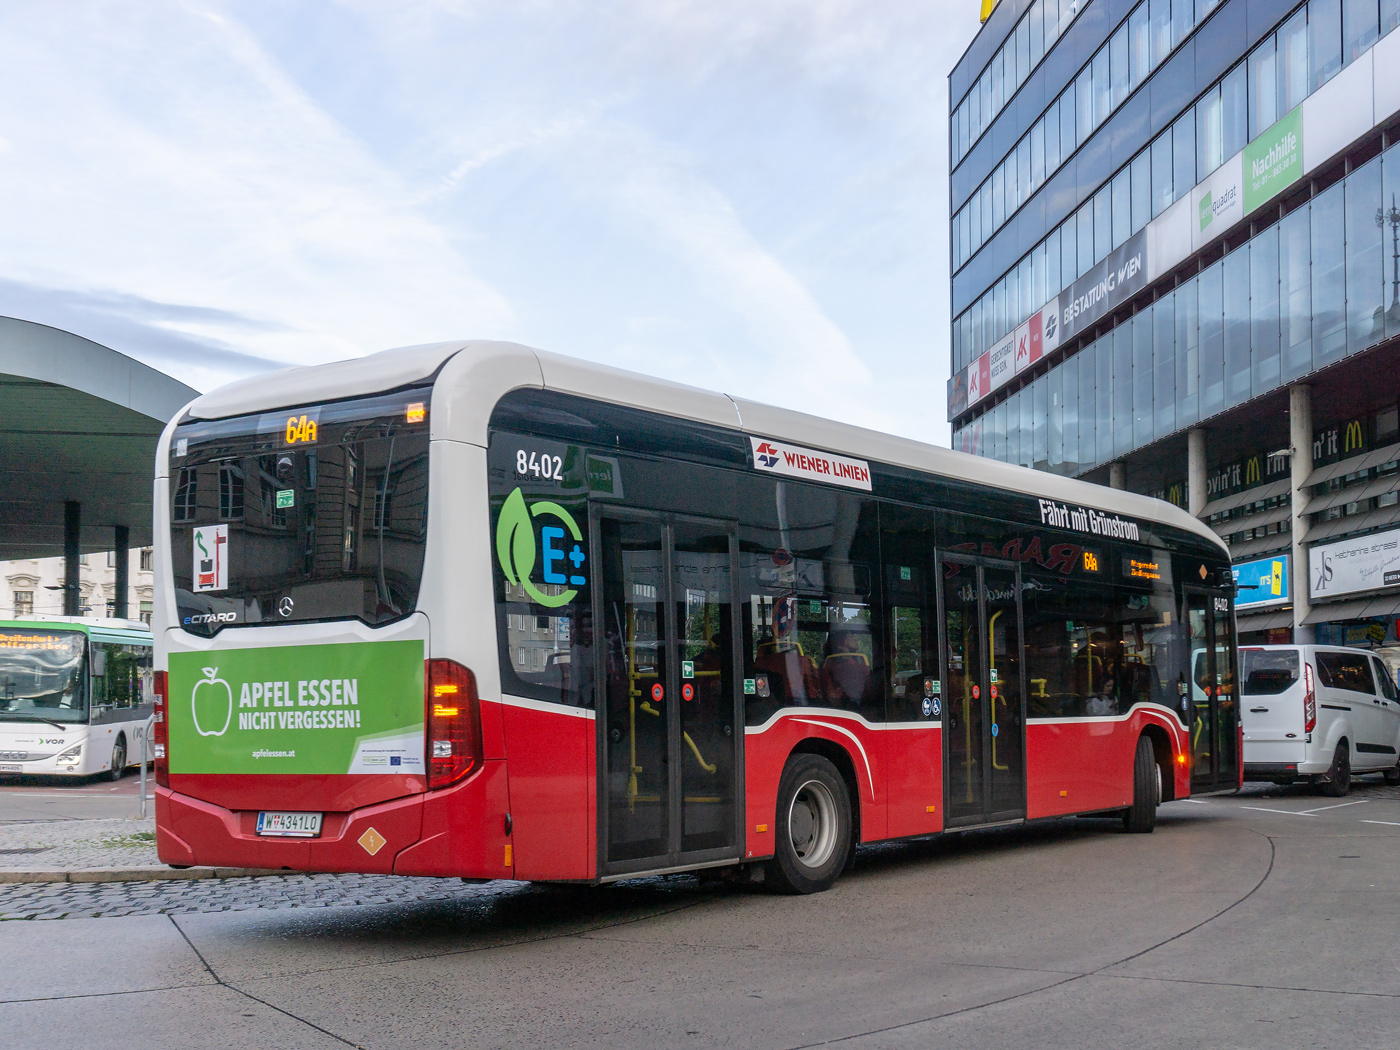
<point>477,610</point>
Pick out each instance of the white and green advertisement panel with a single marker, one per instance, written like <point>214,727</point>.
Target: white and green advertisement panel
<point>353,707</point>
<point>1273,161</point>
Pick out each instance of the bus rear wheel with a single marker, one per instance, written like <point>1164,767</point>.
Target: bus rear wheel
<point>1141,817</point>
<point>814,827</point>
<point>118,759</point>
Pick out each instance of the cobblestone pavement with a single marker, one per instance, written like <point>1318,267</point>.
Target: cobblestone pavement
<point>62,900</point>
<point>62,845</point>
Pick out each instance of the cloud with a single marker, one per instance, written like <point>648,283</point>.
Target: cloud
<point>157,152</point>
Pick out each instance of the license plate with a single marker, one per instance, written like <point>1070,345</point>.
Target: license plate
<point>11,767</point>
<point>289,825</point>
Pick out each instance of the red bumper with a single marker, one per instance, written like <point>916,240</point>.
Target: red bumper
<point>458,831</point>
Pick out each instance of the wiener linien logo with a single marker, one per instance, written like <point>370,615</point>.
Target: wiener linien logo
<point>517,550</point>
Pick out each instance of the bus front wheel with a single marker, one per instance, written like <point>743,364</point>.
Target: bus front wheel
<point>118,759</point>
<point>814,826</point>
<point>1141,817</point>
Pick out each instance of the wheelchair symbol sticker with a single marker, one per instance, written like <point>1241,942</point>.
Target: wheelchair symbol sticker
<point>937,707</point>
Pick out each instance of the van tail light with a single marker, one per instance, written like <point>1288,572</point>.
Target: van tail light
<point>1309,700</point>
<point>454,722</point>
<point>160,729</point>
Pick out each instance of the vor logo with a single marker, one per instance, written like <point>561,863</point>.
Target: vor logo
<point>516,549</point>
<point>767,455</point>
<point>212,705</point>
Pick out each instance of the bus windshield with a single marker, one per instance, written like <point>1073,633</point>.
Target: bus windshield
<point>41,676</point>
<point>312,513</point>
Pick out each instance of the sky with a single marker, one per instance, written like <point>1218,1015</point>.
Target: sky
<point>745,196</point>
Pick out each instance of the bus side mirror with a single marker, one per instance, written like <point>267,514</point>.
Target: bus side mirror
<point>99,663</point>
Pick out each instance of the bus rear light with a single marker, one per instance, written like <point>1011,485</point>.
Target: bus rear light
<point>454,722</point>
<point>1309,700</point>
<point>160,730</point>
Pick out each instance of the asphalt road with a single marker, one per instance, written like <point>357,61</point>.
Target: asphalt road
<point>1265,920</point>
<point>54,798</point>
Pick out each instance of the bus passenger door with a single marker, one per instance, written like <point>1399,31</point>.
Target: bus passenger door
<point>670,737</point>
<point>1214,713</point>
<point>983,692</point>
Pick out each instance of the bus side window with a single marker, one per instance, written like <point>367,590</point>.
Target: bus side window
<point>97,666</point>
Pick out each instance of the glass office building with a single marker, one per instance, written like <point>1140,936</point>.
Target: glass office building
<point>1175,248</point>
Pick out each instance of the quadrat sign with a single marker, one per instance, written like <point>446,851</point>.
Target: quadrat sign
<point>316,709</point>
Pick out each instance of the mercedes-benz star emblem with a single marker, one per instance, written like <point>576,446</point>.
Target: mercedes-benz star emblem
<point>285,606</point>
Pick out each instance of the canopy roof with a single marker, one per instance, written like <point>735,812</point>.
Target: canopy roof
<point>78,421</point>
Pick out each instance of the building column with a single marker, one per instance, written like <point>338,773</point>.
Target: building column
<point>72,560</point>
<point>122,546</point>
<point>1196,471</point>
<point>1118,475</point>
<point>1300,441</point>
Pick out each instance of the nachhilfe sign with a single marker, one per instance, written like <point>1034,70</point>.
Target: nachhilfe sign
<point>1365,564</point>
<point>793,461</point>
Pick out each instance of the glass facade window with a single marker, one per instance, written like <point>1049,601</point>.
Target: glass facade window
<point>1087,379</point>
<point>1365,314</point>
<point>1103,224</point>
<point>1236,303</point>
<point>1208,143</point>
<point>1263,87</point>
<point>1295,294</point>
<point>1103,400</point>
<point>1184,154</point>
<point>1234,111</point>
<point>1188,354</point>
<point>1122,337</point>
<point>1140,183</point>
<point>1264,309</point>
<point>1122,206</point>
<point>1143,376</point>
<point>1360,28</point>
<point>1069,391</point>
<point>1212,338</point>
<point>1040,423</point>
<point>1162,173</point>
<point>1329,289</point>
<point>1163,395</point>
<point>1324,41</point>
<point>1120,74</point>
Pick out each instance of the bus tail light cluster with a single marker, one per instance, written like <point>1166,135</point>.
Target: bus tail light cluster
<point>160,730</point>
<point>454,722</point>
<point>1309,700</point>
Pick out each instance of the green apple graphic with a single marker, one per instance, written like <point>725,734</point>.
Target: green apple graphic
<point>214,706</point>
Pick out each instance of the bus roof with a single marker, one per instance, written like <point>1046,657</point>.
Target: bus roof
<point>481,372</point>
<point>103,629</point>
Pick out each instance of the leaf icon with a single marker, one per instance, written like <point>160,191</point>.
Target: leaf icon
<point>515,539</point>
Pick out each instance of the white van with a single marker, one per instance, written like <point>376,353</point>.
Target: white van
<point>1319,713</point>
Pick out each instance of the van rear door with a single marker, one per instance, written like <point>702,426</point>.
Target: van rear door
<point>1271,701</point>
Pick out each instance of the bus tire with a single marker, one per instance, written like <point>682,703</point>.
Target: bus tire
<point>813,827</point>
<point>1141,816</point>
<point>118,758</point>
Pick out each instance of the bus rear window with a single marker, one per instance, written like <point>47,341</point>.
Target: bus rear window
<point>304,514</point>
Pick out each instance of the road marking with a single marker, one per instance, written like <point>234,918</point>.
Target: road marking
<point>1339,805</point>
<point>1195,801</point>
<point>1285,812</point>
<point>1392,823</point>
